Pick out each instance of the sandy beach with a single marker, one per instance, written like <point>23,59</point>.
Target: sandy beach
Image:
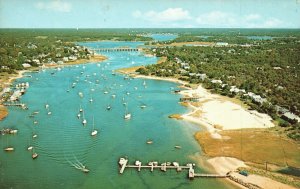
<point>162,79</point>
<point>6,83</point>
<point>95,58</point>
<point>216,113</point>
<point>223,165</point>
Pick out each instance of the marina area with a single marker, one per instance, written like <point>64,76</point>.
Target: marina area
<point>53,127</point>
<point>123,163</point>
<point>146,94</point>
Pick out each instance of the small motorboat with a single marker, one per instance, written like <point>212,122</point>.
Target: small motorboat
<point>9,149</point>
<point>13,131</point>
<point>127,116</point>
<point>94,133</point>
<point>149,142</point>
<point>34,155</point>
<point>178,147</point>
<point>85,170</point>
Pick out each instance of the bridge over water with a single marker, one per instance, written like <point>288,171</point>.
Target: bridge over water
<point>115,49</point>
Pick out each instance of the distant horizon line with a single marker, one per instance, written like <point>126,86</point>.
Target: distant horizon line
<point>139,28</point>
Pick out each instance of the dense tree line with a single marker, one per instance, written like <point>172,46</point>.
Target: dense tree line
<point>269,68</point>
<point>19,45</point>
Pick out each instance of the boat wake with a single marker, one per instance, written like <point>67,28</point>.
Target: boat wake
<point>78,165</point>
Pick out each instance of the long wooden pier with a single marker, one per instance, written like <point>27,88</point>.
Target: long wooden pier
<point>123,163</point>
<point>22,105</point>
<point>115,49</point>
<point>189,99</point>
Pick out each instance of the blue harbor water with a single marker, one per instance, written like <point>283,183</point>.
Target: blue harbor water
<point>259,37</point>
<point>163,37</point>
<point>203,36</point>
<point>62,141</point>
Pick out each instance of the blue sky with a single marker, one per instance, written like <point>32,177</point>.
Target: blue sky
<point>149,13</point>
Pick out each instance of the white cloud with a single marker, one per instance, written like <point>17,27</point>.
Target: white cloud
<point>224,19</point>
<point>55,5</point>
<point>137,14</point>
<point>178,17</point>
<point>168,15</point>
<point>273,23</point>
<point>252,17</point>
<point>217,19</point>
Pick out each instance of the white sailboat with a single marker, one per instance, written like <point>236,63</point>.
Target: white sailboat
<point>80,109</point>
<point>84,122</point>
<point>8,148</point>
<point>94,131</point>
<point>34,154</point>
<point>30,148</point>
<point>142,106</point>
<point>127,114</point>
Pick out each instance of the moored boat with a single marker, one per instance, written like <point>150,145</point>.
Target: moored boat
<point>149,142</point>
<point>9,149</point>
<point>94,131</point>
<point>34,155</point>
<point>127,116</point>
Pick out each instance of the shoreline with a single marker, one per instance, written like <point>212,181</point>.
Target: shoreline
<point>224,164</point>
<point>211,125</point>
<point>217,113</point>
<point>11,78</point>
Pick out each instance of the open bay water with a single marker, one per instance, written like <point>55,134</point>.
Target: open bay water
<point>162,36</point>
<point>63,141</point>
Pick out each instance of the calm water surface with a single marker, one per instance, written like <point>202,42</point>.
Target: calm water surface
<point>63,141</point>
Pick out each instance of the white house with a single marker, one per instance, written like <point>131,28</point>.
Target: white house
<point>221,44</point>
<point>216,81</point>
<point>25,65</point>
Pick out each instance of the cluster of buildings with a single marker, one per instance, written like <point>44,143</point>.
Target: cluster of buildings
<point>62,55</point>
<point>284,113</point>
<point>14,94</point>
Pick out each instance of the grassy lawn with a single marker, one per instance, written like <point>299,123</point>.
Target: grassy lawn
<point>252,145</point>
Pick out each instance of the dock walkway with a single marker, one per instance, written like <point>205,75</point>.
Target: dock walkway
<point>22,105</point>
<point>189,99</point>
<point>115,49</point>
<point>123,163</point>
